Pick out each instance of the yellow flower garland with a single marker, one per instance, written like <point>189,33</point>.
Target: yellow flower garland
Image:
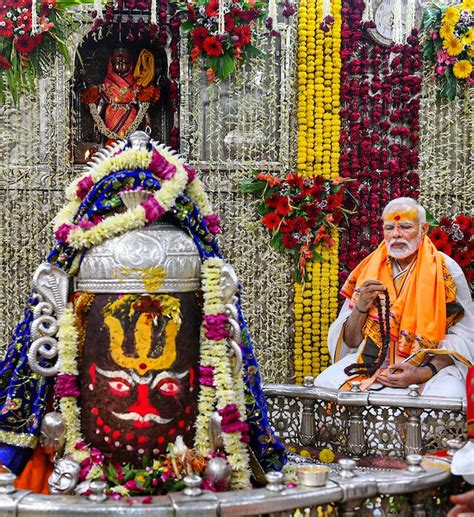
<point>319,65</point>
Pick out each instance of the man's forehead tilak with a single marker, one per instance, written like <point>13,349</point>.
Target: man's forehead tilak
<point>403,214</point>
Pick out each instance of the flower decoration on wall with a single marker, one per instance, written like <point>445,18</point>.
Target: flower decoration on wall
<point>380,106</point>
<point>454,236</point>
<point>221,36</point>
<point>299,212</point>
<point>30,34</point>
<point>449,46</point>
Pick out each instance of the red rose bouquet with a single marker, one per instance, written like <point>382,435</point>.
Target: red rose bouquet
<point>454,236</point>
<point>223,41</point>
<point>299,213</point>
<point>28,42</point>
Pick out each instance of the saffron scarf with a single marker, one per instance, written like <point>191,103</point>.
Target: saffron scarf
<point>418,316</point>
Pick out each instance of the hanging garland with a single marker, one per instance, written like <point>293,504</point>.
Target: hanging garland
<point>319,63</point>
<point>300,213</point>
<point>31,33</point>
<point>220,35</point>
<point>380,133</point>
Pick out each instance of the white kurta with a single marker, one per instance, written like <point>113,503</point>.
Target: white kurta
<point>449,382</point>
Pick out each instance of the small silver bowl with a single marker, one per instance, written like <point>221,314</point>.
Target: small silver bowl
<point>313,475</point>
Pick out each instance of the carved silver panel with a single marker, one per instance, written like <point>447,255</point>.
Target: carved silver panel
<point>387,428</point>
<point>128,263</point>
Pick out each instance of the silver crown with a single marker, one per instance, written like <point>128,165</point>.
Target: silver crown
<point>158,258</point>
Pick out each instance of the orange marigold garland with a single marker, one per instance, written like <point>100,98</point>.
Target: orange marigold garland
<point>319,64</point>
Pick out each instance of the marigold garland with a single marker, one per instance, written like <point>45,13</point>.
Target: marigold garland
<point>319,64</point>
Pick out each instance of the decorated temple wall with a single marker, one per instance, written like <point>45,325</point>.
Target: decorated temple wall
<point>446,151</point>
<point>228,129</point>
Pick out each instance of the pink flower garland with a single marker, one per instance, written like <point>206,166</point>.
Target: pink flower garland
<point>161,167</point>
<point>153,210</point>
<point>206,376</point>
<point>213,223</point>
<point>231,422</point>
<point>216,326</point>
<point>67,386</point>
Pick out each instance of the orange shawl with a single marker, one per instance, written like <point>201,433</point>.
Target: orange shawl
<point>418,312</point>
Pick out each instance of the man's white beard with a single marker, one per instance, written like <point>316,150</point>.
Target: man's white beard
<point>409,247</point>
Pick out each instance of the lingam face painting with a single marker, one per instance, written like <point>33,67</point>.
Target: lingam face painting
<point>140,355</point>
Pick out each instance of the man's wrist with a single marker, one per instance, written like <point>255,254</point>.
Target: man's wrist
<point>360,310</point>
<point>432,367</point>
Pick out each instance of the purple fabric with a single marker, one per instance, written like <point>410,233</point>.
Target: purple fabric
<point>67,385</point>
<point>153,210</point>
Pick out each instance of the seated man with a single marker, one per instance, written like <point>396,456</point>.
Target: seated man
<point>408,316</point>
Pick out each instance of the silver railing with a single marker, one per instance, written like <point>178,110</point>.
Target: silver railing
<point>345,494</point>
<point>357,422</point>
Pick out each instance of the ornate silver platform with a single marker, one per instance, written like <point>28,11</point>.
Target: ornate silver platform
<point>356,423</point>
<point>346,490</point>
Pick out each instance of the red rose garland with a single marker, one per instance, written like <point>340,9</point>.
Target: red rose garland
<point>379,135</point>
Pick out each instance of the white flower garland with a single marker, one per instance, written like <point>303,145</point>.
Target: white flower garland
<point>196,192</point>
<point>104,130</point>
<point>117,224</point>
<point>228,389</point>
<point>68,338</point>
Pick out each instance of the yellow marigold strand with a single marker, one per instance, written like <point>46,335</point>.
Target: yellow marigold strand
<point>319,64</point>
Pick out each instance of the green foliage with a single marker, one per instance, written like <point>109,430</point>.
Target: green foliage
<point>19,71</point>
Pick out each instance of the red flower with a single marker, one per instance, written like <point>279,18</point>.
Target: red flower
<point>269,178</point>
<point>192,16</point>
<point>212,8</point>
<point>439,237</point>
<point>272,201</point>
<point>289,241</point>
<point>199,35</point>
<point>4,63</point>
<point>195,52</point>
<point>26,44</point>
<point>24,21</point>
<point>464,222</point>
<point>271,221</point>
<point>229,23</point>
<point>283,206</point>
<point>294,180</point>
<point>445,248</point>
<point>287,226</point>
<point>47,6</point>
<point>213,47</point>
<point>6,27</point>
<point>463,259</point>
<point>242,36</point>
<point>334,201</point>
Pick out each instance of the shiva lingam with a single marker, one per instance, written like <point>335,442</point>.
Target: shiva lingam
<point>128,359</point>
